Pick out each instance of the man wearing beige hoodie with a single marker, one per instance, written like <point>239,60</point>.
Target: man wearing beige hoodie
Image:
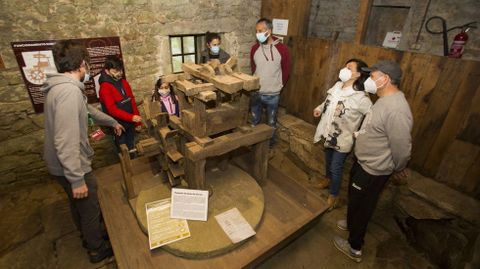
<point>67,151</point>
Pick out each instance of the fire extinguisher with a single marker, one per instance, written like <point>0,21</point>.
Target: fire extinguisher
<point>459,42</point>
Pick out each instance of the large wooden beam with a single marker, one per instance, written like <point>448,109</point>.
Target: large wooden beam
<point>250,83</point>
<point>225,83</point>
<point>229,142</point>
<point>190,88</point>
<point>362,21</point>
<point>195,173</point>
<point>127,171</point>
<point>260,160</point>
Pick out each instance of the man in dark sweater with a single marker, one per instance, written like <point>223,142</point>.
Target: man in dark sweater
<point>383,146</point>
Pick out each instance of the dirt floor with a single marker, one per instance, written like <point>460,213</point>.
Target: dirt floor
<point>37,232</point>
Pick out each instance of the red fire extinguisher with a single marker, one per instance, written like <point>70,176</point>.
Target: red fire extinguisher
<point>458,45</point>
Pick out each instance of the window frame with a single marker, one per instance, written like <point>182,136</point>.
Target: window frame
<point>196,53</point>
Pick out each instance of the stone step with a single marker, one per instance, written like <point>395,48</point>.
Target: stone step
<point>444,197</point>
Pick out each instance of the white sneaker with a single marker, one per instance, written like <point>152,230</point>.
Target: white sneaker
<point>342,225</point>
<point>343,245</point>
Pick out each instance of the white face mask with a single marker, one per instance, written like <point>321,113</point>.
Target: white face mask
<point>370,85</point>
<point>164,92</point>
<point>87,72</point>
<point>345,74</point>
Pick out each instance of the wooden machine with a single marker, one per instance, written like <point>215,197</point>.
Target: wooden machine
<point>203,149</point>
<point>214,102</point>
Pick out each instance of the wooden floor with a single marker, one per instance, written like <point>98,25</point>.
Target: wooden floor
<point>289,210</point>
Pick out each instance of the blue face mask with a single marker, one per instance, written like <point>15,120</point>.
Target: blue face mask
<point>262,37</point>
<point>215,49</point>
<point>86,78</point>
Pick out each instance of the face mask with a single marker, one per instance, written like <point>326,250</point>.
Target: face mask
<point>345,74</point>
<point>87,73</point>
<point>86,77</point>
<point>371,86</point>
<point>164,92</point>
<point>215,49</point>
<point>262,37</point>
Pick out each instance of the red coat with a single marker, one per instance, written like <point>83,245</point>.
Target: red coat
<point>109,95</point>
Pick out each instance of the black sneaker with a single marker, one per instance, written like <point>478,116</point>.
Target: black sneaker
<point>104,252</point>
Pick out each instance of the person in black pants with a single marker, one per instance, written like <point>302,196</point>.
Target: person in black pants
<point>67,151</point>
<point>383,147</point>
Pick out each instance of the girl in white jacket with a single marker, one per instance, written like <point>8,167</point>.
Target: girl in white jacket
<point>342,113</point>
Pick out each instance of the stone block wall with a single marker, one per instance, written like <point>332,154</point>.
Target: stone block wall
<point>143,27</point>
<point>327,17</point>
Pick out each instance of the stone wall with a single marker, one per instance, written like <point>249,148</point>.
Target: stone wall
<point>143,27</point>
<point>328,17</point>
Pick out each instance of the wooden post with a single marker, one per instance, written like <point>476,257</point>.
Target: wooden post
<point>126,165</point>
<point>260,160</point>
<point>200,120</point>
<point>195,174</point>
<point>362,21</point>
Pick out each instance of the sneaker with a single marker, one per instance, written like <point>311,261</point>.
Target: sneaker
<point>343,245</point>
<point>101,254</point>
<point>342,225</point>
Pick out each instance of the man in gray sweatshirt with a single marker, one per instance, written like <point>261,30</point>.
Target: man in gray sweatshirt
<point>67,151</point>
<point>270,61</point>
<point>382,148</point>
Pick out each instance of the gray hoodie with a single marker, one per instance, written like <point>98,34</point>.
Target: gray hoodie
<point>268,62</point>
<point>67,151</point>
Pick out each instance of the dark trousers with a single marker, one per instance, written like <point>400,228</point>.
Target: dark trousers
<point>127,137</point>
<point>334,161</point>
<point>363,192</point>
<point>86,212</point>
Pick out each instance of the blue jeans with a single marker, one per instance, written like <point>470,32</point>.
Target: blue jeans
<point>270,102</point>
<point>334,161</point>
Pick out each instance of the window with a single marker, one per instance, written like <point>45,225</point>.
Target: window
<point>185,49</point>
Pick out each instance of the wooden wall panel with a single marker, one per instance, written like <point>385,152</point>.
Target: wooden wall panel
<point>296,11</point>
<point>443,93</point>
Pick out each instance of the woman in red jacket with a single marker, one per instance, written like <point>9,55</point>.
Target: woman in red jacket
<point>118,101</point>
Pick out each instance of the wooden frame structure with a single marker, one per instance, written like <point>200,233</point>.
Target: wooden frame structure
<point>214,102</point>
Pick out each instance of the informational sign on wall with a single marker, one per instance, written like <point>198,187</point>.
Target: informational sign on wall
<point>35,60</point>
<point>280,27</point>
<point>392,39</point>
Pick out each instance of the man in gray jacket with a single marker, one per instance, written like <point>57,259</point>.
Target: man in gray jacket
<point>382,148</point>
<point>67,151</point>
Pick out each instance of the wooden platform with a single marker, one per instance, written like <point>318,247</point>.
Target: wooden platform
<point>289,210</point>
